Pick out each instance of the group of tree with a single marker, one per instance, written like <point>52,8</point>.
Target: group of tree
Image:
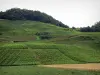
<point>24,14</point>
<point>94,28</point>
<point>44,35</point>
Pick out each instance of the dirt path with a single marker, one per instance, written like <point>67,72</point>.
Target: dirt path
<point>75,66</point>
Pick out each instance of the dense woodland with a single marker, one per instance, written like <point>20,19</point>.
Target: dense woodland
<point>24,14</point>
<point>94,28</point>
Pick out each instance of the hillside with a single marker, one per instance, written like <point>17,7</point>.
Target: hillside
<point>21,42</point>
<point>25,43</point>
<point>18,29</point>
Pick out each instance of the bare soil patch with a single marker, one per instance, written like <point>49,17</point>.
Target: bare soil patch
<point>75,66</point>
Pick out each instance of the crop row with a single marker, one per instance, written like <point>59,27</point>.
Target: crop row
<point>8,57</point>
<point>30,45</point>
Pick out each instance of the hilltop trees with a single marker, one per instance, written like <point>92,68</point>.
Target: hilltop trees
<point>86,29</point>
<point>24,14</point>
<point>94,28</point>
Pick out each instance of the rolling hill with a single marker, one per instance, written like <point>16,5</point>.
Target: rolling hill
<point>21,45</point>
<point>21,42</point>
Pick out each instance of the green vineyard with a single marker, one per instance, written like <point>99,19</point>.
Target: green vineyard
<point>33,54</point>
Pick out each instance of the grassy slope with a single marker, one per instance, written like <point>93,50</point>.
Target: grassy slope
<point>67,46</point>
<point>31,27</point>
<point>26,30</point>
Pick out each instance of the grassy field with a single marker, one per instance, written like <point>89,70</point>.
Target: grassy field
<point>34,70</point>
<point>67,46</point>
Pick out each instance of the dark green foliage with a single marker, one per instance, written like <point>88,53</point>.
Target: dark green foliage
<point>0,33</point>
<point>24,14</point>
<point>1,14</point>
<point>73,28</point>
<point>44,35</point>
<point>86,29</point>
<point>94,28</point>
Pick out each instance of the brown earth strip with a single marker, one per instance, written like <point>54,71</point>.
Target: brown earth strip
<point>74,66</point>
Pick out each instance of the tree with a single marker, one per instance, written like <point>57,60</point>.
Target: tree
<point>94,28</point>
<point>73,28</point>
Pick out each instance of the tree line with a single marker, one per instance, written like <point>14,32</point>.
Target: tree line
<point>25,14</point>
<point>94,28</point>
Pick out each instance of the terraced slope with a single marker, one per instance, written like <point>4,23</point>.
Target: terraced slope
<point>43,53</point>
<point>21,48</point>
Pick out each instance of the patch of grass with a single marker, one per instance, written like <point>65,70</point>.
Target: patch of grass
<point>27,28</point>
<point>34,70</point>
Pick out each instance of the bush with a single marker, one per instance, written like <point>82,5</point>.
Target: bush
<point>44,35</point>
